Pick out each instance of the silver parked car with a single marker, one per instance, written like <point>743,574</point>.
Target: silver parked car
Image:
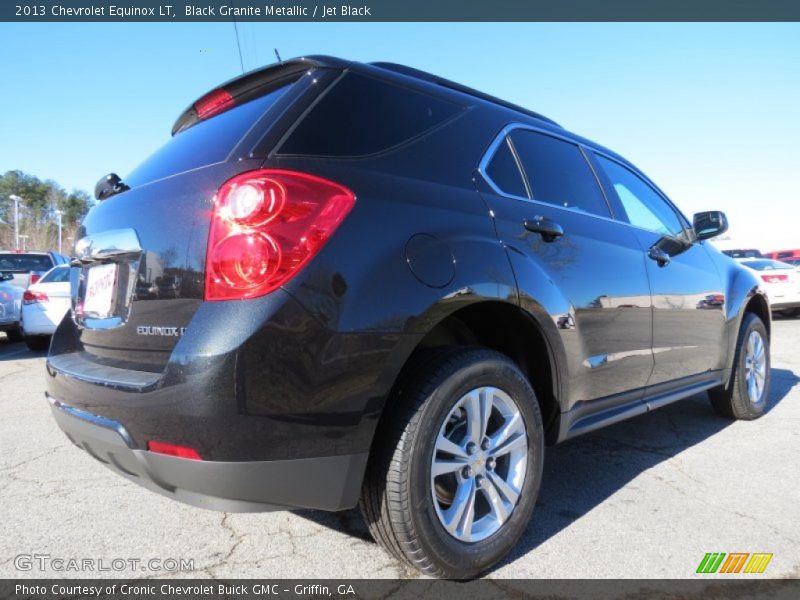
<point>10,304</point>
<point>28,267</point>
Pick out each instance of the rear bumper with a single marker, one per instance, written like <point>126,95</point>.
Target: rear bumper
<point>783,304</point>
<point>281,409</point>
<point>9,322</point>
<point>37,321</point>
<point>327,483</point>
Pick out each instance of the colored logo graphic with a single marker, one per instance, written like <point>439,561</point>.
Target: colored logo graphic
<point>736,562</point>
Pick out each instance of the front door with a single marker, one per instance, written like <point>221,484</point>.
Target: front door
<point>687,290</point>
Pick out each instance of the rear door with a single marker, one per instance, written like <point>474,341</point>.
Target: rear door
<point>591,278</point>
<point>688,292</point>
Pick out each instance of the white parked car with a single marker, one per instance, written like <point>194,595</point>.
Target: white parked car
<point>781,281</point>
<point>44,304</point>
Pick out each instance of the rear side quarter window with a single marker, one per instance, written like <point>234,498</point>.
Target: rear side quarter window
<point>363,115</point>
<point>503,171</point>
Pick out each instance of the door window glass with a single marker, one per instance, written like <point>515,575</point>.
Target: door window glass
<point>643,206</point>
<point>558,173</point>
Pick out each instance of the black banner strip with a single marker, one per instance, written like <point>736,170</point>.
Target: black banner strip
<point>734,588</point>
<point>401,10</point>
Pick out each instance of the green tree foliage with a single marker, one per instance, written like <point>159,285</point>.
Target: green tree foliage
<point>40,201</point>
<point>75,206</point>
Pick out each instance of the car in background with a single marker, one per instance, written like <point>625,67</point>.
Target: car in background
<point>146,290</point>
<point>28,267</point>
<point>169,287</point>
<point>44,304</point>
<point>781,281</point>
<point>784,255</point>
<point>743,253</point>
<point>10,300</point>
<point>794,261</point>
<point>712,301</point>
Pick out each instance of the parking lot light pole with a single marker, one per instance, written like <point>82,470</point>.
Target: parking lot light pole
<point>16,200</point>
<point>58,216</point>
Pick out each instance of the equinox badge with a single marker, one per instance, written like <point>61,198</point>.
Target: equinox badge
<point>155,330</point>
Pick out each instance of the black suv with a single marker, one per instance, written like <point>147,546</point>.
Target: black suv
<point>390,290</point>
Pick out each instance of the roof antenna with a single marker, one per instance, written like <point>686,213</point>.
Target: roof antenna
<point>238,43</point>
<point>280,60</point>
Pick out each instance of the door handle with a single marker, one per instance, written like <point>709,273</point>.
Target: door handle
<point>658,255</point>
<point>549,230</point>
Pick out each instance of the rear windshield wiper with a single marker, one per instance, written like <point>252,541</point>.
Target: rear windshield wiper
<point>108,186</point>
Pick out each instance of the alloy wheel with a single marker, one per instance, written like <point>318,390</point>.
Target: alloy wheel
<point>755,367</point>
<point>479,464</point>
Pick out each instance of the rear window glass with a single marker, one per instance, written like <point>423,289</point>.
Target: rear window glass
<point>766,265</point>
<point>25,262</point>
<point>361,115</point>
<point>743,253</point>
<point>57,275</point>
<point>205,143</point>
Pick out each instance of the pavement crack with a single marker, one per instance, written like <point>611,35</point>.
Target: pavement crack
<point>658,451</point>
<point>5,376</point>
<point>236,539</point>
<point>14,467</point>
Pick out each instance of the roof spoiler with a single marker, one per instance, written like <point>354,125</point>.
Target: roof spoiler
<point>249,86</point>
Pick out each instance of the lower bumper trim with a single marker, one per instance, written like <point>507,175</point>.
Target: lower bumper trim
<point>329,483</point>
<point>785,305</point>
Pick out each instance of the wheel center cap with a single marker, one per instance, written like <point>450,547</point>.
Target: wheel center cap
<point>478,462</point>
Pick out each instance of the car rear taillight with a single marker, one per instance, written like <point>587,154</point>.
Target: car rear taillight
<point>266,226</point>
<point>31,297</point>
<point>173,450</point>
<point>775,278</point>
<point>213,103</point>
<point>35,277</point>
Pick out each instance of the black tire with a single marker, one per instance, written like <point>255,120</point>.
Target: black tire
<point>14,335</point>
<point>397,500</point>
<point>37,343</point>
<point>733,401</point>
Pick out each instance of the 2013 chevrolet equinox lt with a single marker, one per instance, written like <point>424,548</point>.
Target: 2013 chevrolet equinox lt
<point>390,290</point>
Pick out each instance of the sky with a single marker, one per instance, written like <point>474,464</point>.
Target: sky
<point>711,112</point>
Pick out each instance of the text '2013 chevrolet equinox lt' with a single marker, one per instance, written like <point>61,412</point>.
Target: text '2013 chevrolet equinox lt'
<point>342,283</point>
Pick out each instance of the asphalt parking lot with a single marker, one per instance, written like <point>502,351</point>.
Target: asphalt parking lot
<point>643,499</point>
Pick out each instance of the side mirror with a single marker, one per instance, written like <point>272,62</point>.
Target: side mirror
<point>709,224</point>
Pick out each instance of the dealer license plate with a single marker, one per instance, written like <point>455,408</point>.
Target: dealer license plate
<point>99,297</point>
